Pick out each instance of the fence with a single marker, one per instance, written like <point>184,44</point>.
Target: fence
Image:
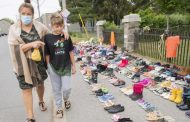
<point>149,43</point>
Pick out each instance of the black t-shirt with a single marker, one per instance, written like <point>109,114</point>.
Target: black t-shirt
<point>58,49</point>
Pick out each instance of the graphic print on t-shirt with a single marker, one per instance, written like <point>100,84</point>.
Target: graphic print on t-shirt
<point>59,47</point>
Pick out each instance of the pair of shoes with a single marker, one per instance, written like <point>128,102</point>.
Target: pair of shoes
<point>115,109</point>
<point>176,95</point>
<point>119,83</point>
<point>153,116</point>
<point>117,118</point>
<point>59,113</point>
<point>101,92</point>
<point>30,120</point>
<point>105,97</point>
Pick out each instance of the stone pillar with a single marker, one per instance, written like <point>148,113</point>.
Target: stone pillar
<point>99,26</point>
<point>131,25</point>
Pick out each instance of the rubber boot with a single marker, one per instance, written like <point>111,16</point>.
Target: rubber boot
<point>137,92</point>
<point>179,96</point>
<point>173,95</point>
<point>94,76</point>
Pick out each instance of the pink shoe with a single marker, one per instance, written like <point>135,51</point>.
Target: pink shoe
<point>115,117</point>
<point>123,63</point>
<point>145,82</point>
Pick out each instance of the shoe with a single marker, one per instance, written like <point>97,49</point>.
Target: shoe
<point>187,114</point>
<point>105,97</point>
<point>123,63</point>
<point>113,106</point>
<point>59,113</point>
<point>184,107</point>
<point>116,109</point>
<point>119,83</point>
<point>67,104</point>
<point>30,120</point>
<point>124,120</point>
<point>42,106</point>
<point>179,96</point>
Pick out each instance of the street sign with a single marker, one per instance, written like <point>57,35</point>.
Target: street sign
<point>65,13</point>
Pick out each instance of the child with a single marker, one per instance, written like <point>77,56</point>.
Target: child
<point>60,61</point>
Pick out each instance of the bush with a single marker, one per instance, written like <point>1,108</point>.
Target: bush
<point>111,26</point>
<point>155,20</point>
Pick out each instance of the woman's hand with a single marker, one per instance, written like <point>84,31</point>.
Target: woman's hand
<point>37,44</point>
<point>66,35</point>
<point>28,46</point>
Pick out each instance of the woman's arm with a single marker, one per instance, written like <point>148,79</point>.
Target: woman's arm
<point>36,44</point>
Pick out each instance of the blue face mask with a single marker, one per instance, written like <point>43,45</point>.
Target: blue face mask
<point>26,20</point>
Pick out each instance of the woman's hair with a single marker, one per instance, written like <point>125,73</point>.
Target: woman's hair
<point>56,19</point>
<point>26,5</point>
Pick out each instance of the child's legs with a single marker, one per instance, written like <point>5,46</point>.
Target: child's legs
<point>66,86</point>
<point>56,86</point>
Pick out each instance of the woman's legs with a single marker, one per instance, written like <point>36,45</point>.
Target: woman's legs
<point>28,102</point>
<point>40,91</point>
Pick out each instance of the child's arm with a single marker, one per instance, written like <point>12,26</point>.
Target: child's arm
<point>47,59</point>
<point>72,62</point>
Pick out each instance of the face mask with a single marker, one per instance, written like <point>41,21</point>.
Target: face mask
<point>26,20</point>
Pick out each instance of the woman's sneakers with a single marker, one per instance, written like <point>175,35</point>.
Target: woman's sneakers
<point>59,113</point>
<point>30,120</point>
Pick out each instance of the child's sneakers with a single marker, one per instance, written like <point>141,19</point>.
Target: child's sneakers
<point>59,113</point>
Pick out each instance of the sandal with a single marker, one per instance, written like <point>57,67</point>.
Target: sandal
<point>109,103</point>
<point>67,104</point>
<point>59,113</point>
<point>30,120</point>
<point>42,106</point>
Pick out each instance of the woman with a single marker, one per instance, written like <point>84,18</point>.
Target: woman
<point>25,36</point>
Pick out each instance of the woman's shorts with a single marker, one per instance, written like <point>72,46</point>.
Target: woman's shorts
<point>23,85</point>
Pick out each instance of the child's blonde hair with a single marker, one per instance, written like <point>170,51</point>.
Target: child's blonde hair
<point>56,19</point>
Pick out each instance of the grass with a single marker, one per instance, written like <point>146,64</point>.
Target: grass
<point>79,36</point>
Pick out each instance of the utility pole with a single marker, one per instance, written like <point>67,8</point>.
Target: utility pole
<point>65,11</point>
<point>64,4</point>
<point>38,6</point>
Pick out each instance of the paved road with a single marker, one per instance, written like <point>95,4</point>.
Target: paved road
<point>11,105</point>
<point>85,106</point>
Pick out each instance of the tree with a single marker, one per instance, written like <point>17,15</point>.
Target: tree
<point>172,6</point>
<point>84,7</point>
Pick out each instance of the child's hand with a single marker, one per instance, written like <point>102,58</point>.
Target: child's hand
<point>73,70</point>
